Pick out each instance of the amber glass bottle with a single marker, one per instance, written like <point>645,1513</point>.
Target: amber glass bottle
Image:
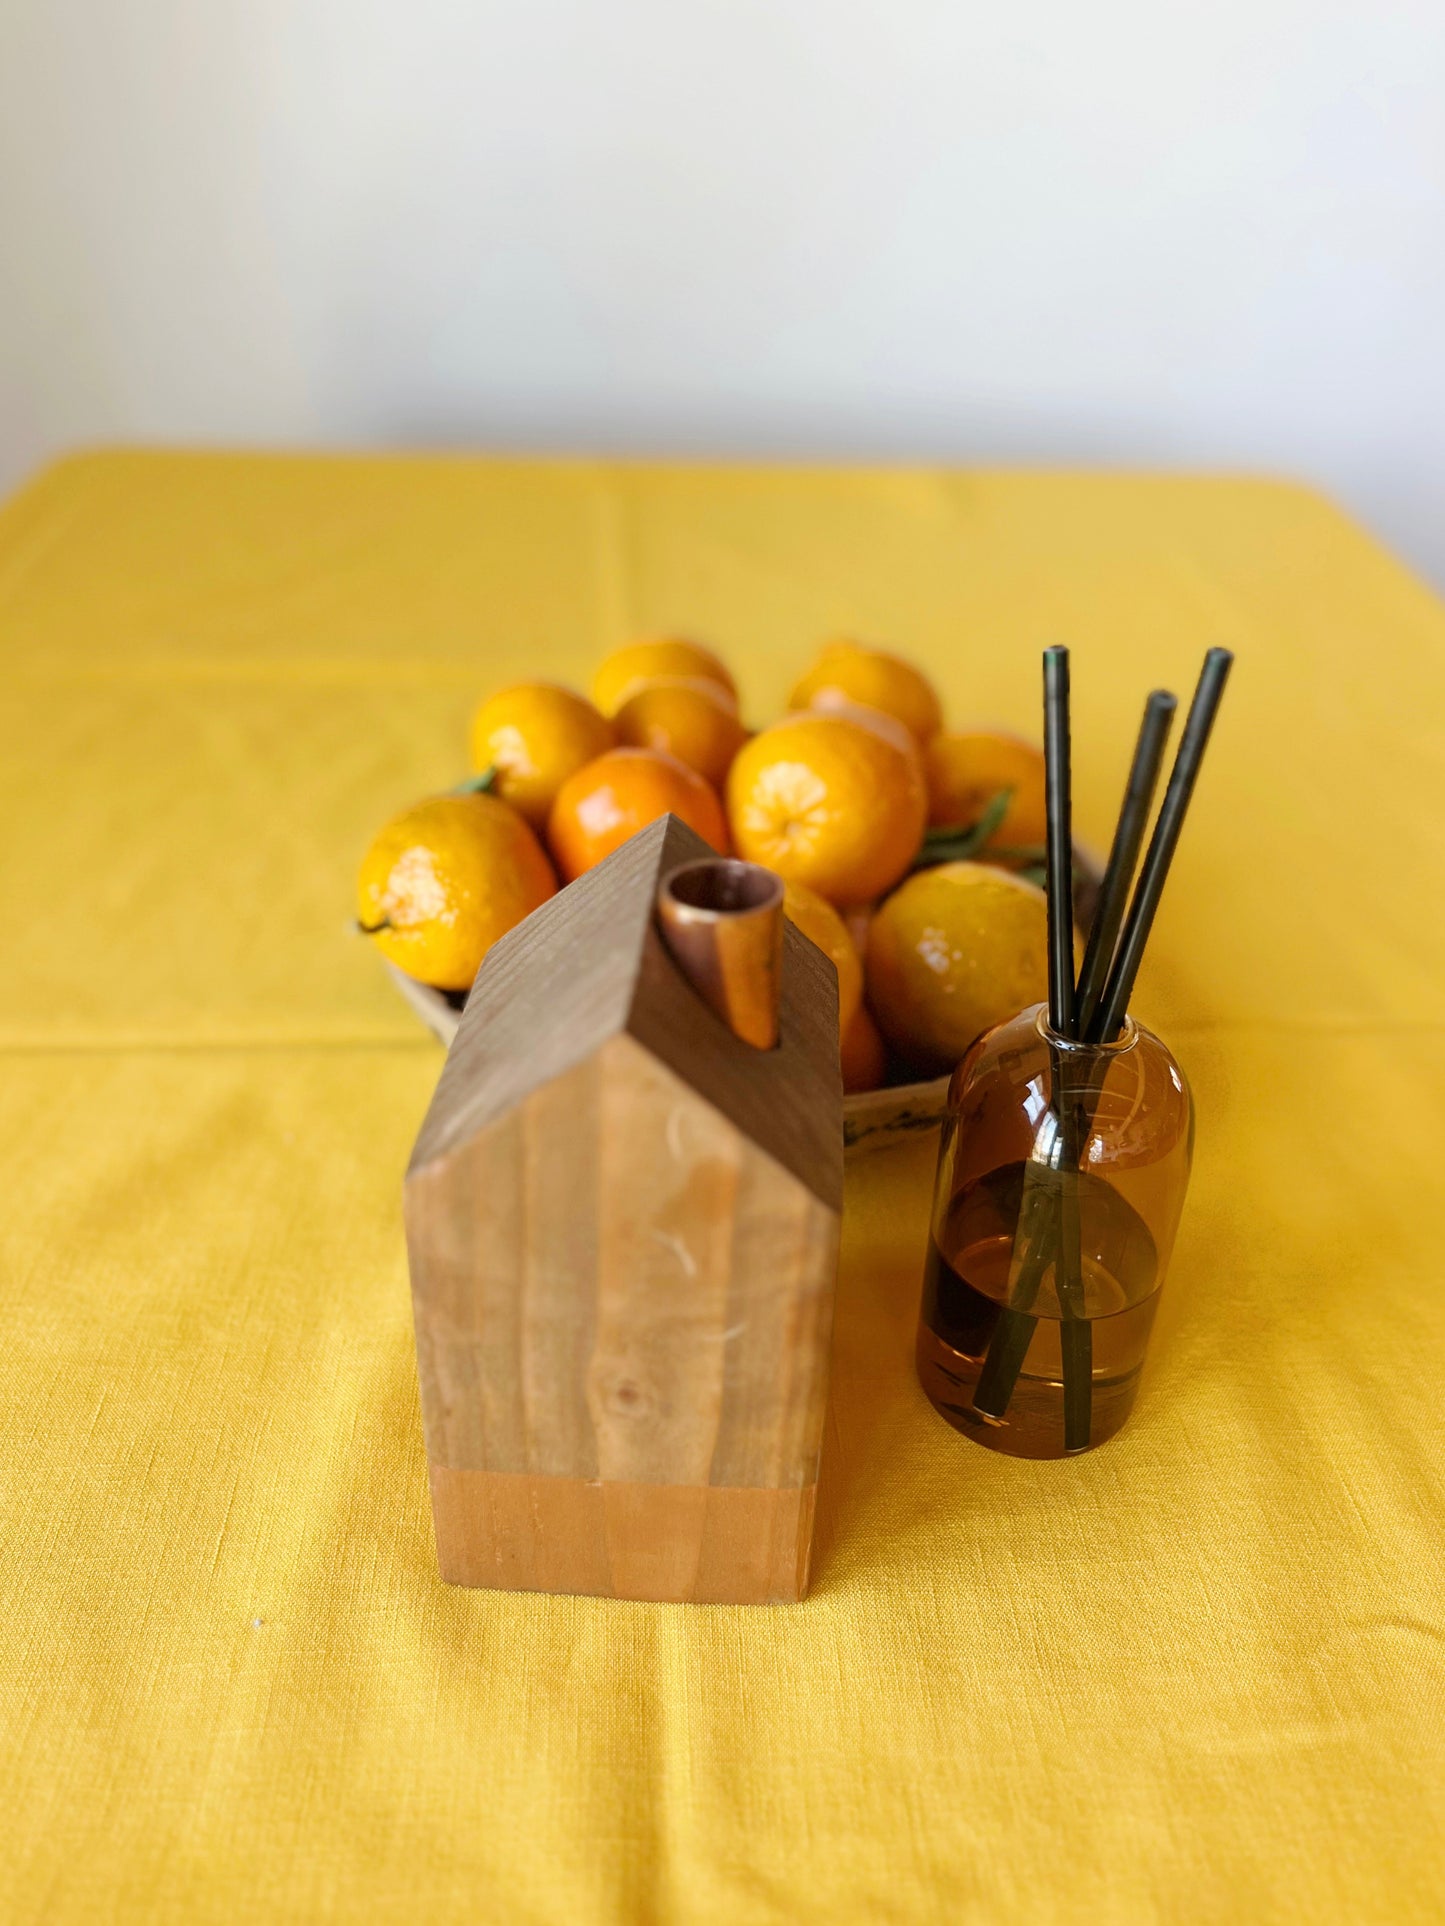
<point>1061,1178</point>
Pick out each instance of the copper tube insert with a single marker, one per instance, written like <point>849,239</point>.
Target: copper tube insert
<point>723,923</point>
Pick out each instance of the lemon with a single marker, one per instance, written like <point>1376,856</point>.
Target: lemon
<point>535,735</point>
<point>953,951</point>
<point>444,880</point>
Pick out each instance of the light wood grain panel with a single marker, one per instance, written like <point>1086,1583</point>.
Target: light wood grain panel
<point>779,1323</point>
<point>503,1247</point>
<point>465,1239</point>
<point>708,1544</point>
<point>560,1270</point>
<point>668,1172</point>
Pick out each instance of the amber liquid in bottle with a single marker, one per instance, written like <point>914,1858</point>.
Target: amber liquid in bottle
<point>967,1284</point>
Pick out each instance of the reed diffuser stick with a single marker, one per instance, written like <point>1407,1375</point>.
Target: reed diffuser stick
<point>1060,854</point>
<point>1114,1000</point>
<point>1124,853</point>
<point>1076,1333</point>
<point>1076,1338</point>
<point>1037,1239</point>
<point>1034,1240</point>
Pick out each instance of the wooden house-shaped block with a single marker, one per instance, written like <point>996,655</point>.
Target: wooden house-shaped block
<point>622,1223</point>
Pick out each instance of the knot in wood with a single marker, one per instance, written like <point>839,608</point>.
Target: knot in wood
<point>624,1397</point>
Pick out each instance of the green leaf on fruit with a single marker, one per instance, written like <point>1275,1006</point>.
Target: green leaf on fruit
<point>961,843</point>
<point>478,785</point>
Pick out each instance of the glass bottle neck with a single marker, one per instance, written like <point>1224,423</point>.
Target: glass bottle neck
<point>1127,1038</point>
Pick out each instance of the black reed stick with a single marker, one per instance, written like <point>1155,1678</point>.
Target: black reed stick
<point>1048,1231</point>
<point>1124,853</point>
<point>1060,858</point>
<point>1049,1223</point>
<point>1035,1238</point>
<point>1114,1000</point>
<point>1076,1333</point>
<point>1076,1338</point>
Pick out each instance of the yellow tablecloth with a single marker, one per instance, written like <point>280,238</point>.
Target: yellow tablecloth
<point>1195,1676</point>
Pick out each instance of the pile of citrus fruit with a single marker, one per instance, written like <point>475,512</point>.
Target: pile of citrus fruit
<point>906,848</point>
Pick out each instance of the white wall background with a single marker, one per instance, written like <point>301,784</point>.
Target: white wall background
<point>1124,231</point>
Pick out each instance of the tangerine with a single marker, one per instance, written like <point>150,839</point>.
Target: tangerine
<point>609,800</point>
<point>830,801</point>
<point>847,672</point>
<point>864,1054</point>
<point>687,717</point>
<point>966,771</point>
<point>821,923</point>
<point>637,662</point>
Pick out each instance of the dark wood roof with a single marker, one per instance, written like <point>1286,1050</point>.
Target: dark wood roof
<point>589,965</point>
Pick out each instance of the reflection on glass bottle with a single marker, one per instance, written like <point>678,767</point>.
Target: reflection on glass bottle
<point>1061,1179</point>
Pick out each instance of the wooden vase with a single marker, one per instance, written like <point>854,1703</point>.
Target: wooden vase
<point>622,1221</point>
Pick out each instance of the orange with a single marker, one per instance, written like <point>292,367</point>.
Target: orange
<point>822,924</point>
<point>954,951</point>
<point>849,672</point>
<point>878,720</point>
<point>639,662</point>
<point>444,880</point>
<point>966,771</point>
<point>865,1059</point>
<point>828,801</point>
<point>857,919</point>
<point>686,717</point>
<point>534,735</point>
<point>609,800</point>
